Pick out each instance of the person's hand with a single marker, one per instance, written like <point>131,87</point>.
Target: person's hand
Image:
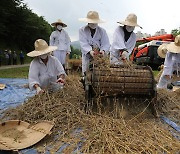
<point>39,90</point>
<point>168,77</point>
<point>124,55</point>
<point>61,81</point>
<point>92,53</point>
<point>68,53</point>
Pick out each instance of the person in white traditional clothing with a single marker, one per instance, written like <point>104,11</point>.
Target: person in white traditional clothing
<point>45,72</point>
<point>61,39</point>
<point>124,40</point>
<point>92,38</point>
<point>171,63</point>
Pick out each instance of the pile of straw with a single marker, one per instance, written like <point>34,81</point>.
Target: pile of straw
<point>119,130</point>
<point>74,64</point>
<point>168,104</point>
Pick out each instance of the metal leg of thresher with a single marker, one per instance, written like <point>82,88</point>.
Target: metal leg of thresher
<point>154,95</point>
<point>89,97</point>
<point>153,105</point>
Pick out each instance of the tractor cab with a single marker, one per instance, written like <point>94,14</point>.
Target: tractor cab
<point>146,53</point>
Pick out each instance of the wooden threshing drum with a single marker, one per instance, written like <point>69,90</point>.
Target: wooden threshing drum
<point>121,80</point>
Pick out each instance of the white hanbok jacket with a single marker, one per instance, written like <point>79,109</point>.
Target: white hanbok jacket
<point>87,42</point>
<point>62,41</point>
<point>119,43</point>
<point>42,74</point>
<point>171,64</point>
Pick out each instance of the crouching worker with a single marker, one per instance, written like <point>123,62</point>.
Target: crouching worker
<point>171,63</point>
<point>45,72</point>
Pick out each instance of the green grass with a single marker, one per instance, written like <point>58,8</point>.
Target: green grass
<point>155,73</point>
<point>21,72</point>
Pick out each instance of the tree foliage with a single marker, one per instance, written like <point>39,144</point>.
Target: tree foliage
<point>20,27</point>
<point>175,32</point>
<point>75,53</point>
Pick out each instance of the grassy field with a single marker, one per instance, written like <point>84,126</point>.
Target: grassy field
<point>155,73</point>
<point>21,72</point>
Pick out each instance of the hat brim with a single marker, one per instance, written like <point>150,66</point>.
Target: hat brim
<point>55,23</point>
<point>87,20</point>
<point>160,50</point>
<point>129,24</point>
<point>36,53</point>
<point>161,54</point>
<point>173,48</point>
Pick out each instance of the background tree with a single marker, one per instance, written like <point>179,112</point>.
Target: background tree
<point>75,53</point>
<point>20,27</point>
<point>175,32</point>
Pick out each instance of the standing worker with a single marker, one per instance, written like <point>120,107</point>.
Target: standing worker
<point>171,63</point>
<point>45,72</point>
<point>21,57</point>
<point>60,38</point>
<point>14,56</point>
<point>124,40</point>
<point>91,38</point>
<point>6,57</point>
<point>10,57</point>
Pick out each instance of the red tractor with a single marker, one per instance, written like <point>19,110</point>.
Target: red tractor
<point>146,53</point>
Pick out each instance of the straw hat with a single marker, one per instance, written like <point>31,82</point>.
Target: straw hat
<point>25,134</point>
<point>59,22</point>
<point>92,17</point>
<point>131,20</point>
<point>174,47</point>
<point>162,50</point>
<point>41,48</point>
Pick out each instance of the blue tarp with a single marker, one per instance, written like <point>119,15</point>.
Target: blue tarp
<point>171,123</point>
<point>15,93</point>
<point>176,133</point>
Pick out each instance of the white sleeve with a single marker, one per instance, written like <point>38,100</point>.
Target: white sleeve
<point>59,67</point>
<point>130,49</point>
<point>85,47</point>
<point>52,39</point>
<point>33,75</point>
<point>118,40</point>
<point>68,40</point>
<point>105,45</point>
<point>168,64</point>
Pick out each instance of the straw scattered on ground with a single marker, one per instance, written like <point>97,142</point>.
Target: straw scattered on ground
<point>121,128</point>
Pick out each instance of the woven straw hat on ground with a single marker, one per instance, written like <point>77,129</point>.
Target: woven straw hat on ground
<point>162,50</point>
<point>92,17</point>
<point>174,47</point>
<point>41,48</point>
<point>16,134</point>
<point>131,20</point>
<point>59,21</point>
